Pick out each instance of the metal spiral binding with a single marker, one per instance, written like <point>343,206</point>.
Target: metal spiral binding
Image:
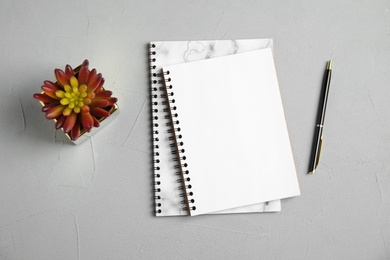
<point>154,79</point>
<point>177,146</point>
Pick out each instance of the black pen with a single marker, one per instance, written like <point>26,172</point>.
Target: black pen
<point>318,136</point>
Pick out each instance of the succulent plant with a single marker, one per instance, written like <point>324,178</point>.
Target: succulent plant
<point>77,101</point>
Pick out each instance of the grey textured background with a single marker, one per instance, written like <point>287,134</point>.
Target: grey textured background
<point>94,201</point>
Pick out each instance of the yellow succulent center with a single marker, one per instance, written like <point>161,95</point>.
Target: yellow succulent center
<point>75,97</point>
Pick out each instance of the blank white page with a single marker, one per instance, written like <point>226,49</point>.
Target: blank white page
<point>233,130</point>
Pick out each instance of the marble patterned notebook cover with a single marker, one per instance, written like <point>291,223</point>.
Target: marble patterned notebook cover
<point>168,190</point>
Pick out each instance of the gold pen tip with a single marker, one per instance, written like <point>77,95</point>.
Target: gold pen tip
<point>313,171</point>
<point>329,65</point>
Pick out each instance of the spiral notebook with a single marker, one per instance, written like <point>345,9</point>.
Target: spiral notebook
<point>233,133</point>
<point>169,193</point>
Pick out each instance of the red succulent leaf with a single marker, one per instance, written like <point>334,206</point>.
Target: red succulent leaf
<point>91,94</point>
<point>50,91</point>
<point>69,71</point>
<point>103,94</point>
<point>96,122</point>
<point>44,98</point>
<point>51,85</point>
<point>60,121</point>
<point>85,109</point>
<point>100,86</point>
<point>46,107</point>
<point>83,73</point>
<point>94,82</point>
<point>112,101</point>
<point>86,121</point>
<point>75,132</point>
<point>99,103</point>
<point>69,122</point>
<point>54,112</point>
<point>96,111</point>
<point>62,78</point>
<point>92,74</point>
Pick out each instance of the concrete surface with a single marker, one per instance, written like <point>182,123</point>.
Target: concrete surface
<point>95,201</point>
